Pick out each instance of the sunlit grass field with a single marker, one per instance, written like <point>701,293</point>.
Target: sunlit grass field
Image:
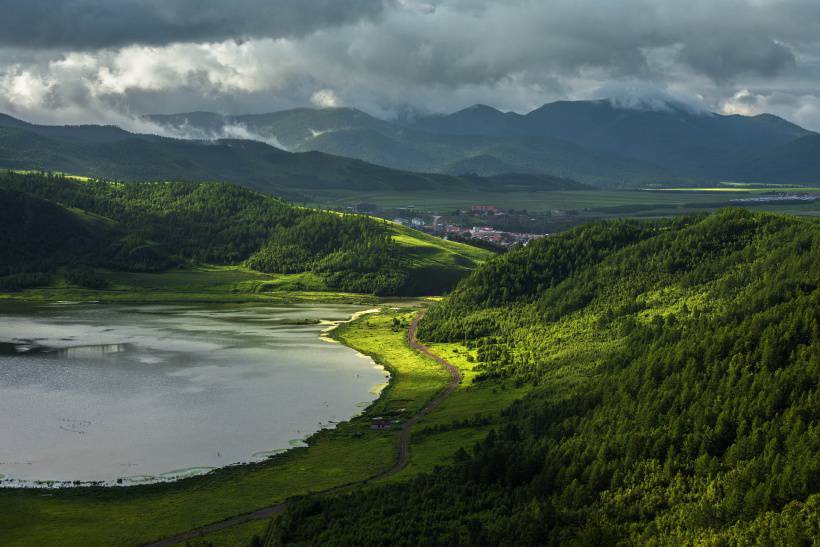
<point>195,284</point>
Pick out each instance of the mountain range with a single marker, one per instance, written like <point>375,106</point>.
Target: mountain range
<point>304,153</point>
<point>113,153</point>
<point>596,142</point>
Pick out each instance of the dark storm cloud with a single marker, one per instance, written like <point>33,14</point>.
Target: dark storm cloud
<point>93,24</point>
<point>485,41</point>
<point>741,56</point>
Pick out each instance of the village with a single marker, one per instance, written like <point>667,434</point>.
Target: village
<point>474,224</point>
<point>779,197</point>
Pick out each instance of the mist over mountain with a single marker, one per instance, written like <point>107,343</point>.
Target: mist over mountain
<point>608,142</point>
<point>673,136</point>
<point>605,143</point>
<point>109,152</point>
<point>412,147</point>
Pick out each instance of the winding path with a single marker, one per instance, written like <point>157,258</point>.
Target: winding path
<point>401,461</point>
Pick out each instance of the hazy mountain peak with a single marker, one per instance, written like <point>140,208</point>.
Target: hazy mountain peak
<point>632,103</point>
<point>657,104</point>
<point>479,107</point>
<point>650,98</point>
<point>11,121</point>
<point>478,111</point>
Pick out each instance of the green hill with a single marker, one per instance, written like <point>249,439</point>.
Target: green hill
<point>52,222</point>
<point>674,369</point>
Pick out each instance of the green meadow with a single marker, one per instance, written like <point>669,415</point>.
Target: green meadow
<point>196,284</point>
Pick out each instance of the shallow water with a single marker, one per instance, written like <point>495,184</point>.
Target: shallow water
<point>144,393</point>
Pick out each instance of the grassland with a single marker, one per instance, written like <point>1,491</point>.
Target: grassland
<point>601,202</point>
<point>195,284</point>
<point>351,452</point>
<point>80,178</point>
<point>432,258</point>
<point>463,418</point>
<point>241,535</point>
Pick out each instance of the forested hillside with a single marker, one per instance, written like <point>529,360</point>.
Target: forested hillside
<point>675,367</point>
<point>51,221</point>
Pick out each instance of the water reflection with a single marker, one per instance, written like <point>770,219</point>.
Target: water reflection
<point>101,393</point>
<point>95,351</point>
<point>73,352</point>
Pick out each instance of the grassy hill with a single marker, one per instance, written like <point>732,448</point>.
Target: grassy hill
<point>674,395</point>
<point>53,222</point>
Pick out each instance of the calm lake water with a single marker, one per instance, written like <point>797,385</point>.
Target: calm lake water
<point>147,393</point>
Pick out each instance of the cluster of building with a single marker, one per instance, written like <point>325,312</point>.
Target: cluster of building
<point>487,233</point>
<point>432,225</point>
<point>778,197</point>
<point>414,222</point>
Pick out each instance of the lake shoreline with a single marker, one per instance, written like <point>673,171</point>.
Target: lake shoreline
<point>189,475</point>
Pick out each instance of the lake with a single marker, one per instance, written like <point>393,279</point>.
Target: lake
<point>145,393</point>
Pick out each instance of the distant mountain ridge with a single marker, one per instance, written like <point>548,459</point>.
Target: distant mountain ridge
<point>355,134</point>
<point>599,142</point>
<point>695,144</point>
<point>113,153</point>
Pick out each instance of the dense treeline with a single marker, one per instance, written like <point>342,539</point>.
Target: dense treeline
<point>51,221</point>
<point>33,232</point>
<point>676,400</point>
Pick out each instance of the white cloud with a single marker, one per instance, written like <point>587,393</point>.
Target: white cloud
<point>239,131</point>
<point>800,107</point>
<point>324,98</point>
<point>441,55</point>
<point>744,102</point>
<point>23,88</point>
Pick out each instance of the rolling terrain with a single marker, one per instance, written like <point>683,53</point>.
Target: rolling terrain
<point>626,381</point>
<point>52,223</point>
<point>674,373</point>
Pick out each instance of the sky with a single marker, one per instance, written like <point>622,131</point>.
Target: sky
<point>109,61</point>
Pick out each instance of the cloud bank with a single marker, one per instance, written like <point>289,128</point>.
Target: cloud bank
<point>96,24</point>
<point>111,60</point>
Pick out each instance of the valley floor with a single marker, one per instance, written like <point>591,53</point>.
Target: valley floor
<point>215,284</point>
<point>351,452</point>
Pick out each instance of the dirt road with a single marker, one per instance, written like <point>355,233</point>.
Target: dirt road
<point>401,461</point>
